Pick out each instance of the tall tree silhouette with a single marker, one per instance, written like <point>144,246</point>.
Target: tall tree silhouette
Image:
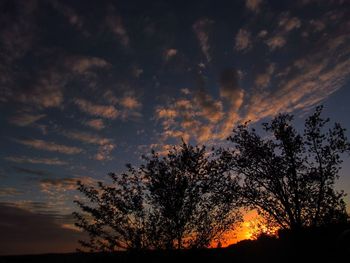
<point>289,176</point>
<point>181,200</point>
<point>191,197</point>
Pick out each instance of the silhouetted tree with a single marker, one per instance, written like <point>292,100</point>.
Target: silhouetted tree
<point>181,200</point>
<point>190,197</point>
<point>114,216</point>
<point>287,176</point>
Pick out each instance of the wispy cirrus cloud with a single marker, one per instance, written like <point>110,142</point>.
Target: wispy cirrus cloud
<point>263,79</point>
<point>169,53</point>
<point>86,137</point>
<point>130,102</point>
<point>285,24</point>
<point>83,64</point>
<point>243,40</point>
<point>73,18</point>
<point>96,124</point>
<point>25,119</point>
<point>9,191</point>
<point>33,160</point>
<point>115,24</point>
<point>202,28</point>
<point>253,5</point>
<point>30,171</point>
<point>105,111</point>
<point>302,84</point>
<point>276,42</point>
<point>47,92</point>
<point>49,146</point>
<point>105,145</point>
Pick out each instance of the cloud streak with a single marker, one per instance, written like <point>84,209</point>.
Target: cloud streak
<point>50,146</point>
<point>104,111</point>
<point>25,119</point>
<point>243,40</point>
<point>115,24</point>
<point>27,159</point>
<point>202,28</point>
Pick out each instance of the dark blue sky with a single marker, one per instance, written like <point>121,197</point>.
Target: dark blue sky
<point>87,86</point>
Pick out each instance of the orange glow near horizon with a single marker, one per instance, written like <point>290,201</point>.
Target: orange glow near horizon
<point>248,229</point>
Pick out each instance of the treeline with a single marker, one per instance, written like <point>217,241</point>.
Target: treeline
<point>192,196</point>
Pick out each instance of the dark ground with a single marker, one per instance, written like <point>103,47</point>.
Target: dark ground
<point>331,244</point>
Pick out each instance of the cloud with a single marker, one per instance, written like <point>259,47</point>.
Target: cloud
<point>185,91</point>
<point>80,64</point>
<point>289,23</point>
<point>105,145</point>
<point>285,24</point>
<point>18,30</point>
<point>58,185</point>
<point>31,171</point>
<point>165,113</point>
<point>193,118</point>
<point>202,29</point>
<point>276,42</point>
<point>27,159</point>
<point>253,5</point>
<point>262,33</point>
<point>169,53</point>
<point>105,111</point>
<point>300,85</point>
<point>25,119</point>
<point>243,40</point>
<point>50,146</point>
<point>9,191</point>
<point>40,233</point>
<point>46,88</point>
<point>233,95</point>
<point>86,137</point>
<point>136,72</point>
<point>130,102</point>
<point>96,124</point>
<point>73,18</point>
<point>115,24</point>
<point>317,25</point>
<point>229,86</point>
<point>308,83</point>
<point>208,107</point>
<point>47,92</point>
<point>263,80</point>
<point>104,152</point>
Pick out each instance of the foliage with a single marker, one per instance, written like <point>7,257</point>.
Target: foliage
<point>287,176</point>
<point>182,200</point>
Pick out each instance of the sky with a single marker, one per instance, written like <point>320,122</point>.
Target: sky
<point>88,86</point>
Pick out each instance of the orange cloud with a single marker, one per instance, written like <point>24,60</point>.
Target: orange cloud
<point>202,28</point>
<point>25,119</point>
<point>97,124</point>
<point>26,159</point>
<point>50,146</point>
<point>130,102</point>
<point>115,24</point>
<point>243,40</point>
<point>105,111</point>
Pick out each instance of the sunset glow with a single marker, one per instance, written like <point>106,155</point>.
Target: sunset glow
<point>89,86</point>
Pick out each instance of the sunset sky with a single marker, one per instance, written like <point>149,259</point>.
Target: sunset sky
<point>88,86</point>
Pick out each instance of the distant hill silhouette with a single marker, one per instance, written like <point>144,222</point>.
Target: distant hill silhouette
<point>323,244</point>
